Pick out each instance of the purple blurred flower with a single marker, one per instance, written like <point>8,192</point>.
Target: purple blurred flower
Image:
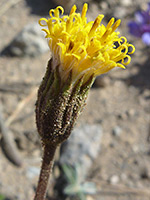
<point>141,26</point>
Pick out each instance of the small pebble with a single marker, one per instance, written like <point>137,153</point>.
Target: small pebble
<point>126,2</point>
<point>131,113</point>
<point>114,180</point>
<point>29,42</point>
<point>117,131</point>
<point>122,116</point>
<point>135,148</point>
<point>144,174</point>
<point>104,5</point>
<point>124,177</point>
<point>89,198</point>
<point>120,12</point>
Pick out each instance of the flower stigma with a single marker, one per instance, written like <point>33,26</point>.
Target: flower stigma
<point>84,48</point>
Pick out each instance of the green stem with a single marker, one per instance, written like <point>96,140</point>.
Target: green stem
<point>47,164</point>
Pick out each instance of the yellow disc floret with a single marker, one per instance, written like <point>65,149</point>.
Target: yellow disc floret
<point>85,48</point>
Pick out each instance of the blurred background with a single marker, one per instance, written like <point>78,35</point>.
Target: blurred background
<point>108,154</point>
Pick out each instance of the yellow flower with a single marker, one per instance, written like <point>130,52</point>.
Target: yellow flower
<point>85,48</point>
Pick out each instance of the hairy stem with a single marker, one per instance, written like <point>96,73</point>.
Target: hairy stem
<point>46,168</point>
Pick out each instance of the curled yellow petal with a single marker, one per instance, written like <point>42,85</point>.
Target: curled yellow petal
<point>126,60</point>
<point>51,13</point>
<point>132,47</point>
<point>43,20</point>
<point>83,47</point>
<point>46,31</point>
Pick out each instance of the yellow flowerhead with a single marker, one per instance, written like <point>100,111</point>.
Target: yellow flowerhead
<point>85,48</point>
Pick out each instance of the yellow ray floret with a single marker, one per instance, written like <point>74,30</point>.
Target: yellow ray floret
<point>84,47</point>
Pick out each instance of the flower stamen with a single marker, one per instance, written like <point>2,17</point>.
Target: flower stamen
<point>110,23</point>
<point>73,9</point>
<point>84,10</point>
<point>96,24</point>
<point>116,25</point>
